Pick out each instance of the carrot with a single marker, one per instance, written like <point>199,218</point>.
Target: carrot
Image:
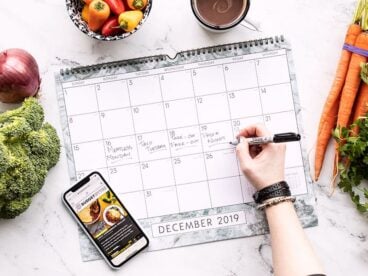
<point>361,105</point>
<point>99,12</point>
<point>349,92</point>
<point>352,82</point>
<point>330,109</point>
<point>361,108</point>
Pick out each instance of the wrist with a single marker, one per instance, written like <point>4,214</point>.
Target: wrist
<point>282,211</point>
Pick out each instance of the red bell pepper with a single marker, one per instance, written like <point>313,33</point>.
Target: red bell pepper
<point>111,27</point>
<point>116,6</point>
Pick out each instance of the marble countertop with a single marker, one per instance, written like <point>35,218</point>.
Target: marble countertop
<point>44,240</point>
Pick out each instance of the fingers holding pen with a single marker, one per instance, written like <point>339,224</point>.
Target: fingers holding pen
<point>256,130</point>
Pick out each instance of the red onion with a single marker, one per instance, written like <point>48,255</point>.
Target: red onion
<point>19,76</point>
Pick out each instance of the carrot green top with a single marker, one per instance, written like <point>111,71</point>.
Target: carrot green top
<point>364,72</point>
<point>361,15</point>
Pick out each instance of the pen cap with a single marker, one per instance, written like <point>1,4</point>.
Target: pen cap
<point>286,137</point>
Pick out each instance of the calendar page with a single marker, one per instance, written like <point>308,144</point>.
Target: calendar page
<point>158,130</point>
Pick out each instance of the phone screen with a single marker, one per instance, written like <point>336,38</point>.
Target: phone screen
<point>102,215</point>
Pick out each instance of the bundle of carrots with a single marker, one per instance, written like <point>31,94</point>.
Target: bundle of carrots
<point>348,97</point>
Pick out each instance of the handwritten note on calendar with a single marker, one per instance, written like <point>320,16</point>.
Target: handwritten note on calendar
<point>160,137</point>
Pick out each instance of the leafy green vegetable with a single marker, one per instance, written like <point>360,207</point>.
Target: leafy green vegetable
<point>353,166</point>
<point>28,149</point>
<point>360,15</point>
<point>364,72</point>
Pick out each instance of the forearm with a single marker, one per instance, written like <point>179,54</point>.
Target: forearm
<point>291,250</point>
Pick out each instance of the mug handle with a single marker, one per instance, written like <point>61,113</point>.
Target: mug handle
<point>249,25</point>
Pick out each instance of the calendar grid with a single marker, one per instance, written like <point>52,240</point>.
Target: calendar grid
<point>136,142</point>
<point>184,183</point>
<point>198,98</point>
<point>102,135</point>
<point>231,120</point>
<point>174,100</point>
<point>168,139</point>
<point>258,87</point>
<point>160,159</point>
<point>64,93</point>
<point>181,127</point>
<point>202,148</point>
<point>189,183</point>
<point>168,157</point>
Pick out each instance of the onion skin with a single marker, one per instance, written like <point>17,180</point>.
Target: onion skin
<point>19,76</point>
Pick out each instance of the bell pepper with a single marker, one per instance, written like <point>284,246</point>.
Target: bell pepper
<point>129,20</point>
<point>137,4</point>
<point>116,6</point>
<point>85,13</point>
<point>111,27</point>
<point>99,12</point>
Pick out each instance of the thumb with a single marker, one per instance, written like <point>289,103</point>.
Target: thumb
<point>242,151</point>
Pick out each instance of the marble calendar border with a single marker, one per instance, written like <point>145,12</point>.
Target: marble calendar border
<point>256,223</point>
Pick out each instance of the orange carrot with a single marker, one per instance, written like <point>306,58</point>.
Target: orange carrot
<point>361,105</point>
<point>331,107</point>
<point>352,82</point>
<point>362,102</point>
<point>349,92</point>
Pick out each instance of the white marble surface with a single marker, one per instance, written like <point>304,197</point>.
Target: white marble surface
<point>43,241</point>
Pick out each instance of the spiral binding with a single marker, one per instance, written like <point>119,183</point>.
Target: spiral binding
<point>188,53</point>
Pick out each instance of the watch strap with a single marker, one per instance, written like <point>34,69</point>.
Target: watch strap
<point>278,189</point>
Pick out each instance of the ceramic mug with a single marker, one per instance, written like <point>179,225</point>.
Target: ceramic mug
<point>220,15</point>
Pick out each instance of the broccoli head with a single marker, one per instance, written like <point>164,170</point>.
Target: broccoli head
<point>29,148</point>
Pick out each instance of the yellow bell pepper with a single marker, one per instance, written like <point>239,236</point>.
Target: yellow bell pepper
<point>129,20</point>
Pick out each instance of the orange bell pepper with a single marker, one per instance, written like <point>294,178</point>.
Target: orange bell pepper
<point>99,12</point>
<point>137,4</point>
<point>85,13</point>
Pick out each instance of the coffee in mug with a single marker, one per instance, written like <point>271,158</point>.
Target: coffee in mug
<point>220,15</point>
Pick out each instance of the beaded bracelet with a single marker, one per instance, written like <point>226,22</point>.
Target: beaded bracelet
<point>274,201</point>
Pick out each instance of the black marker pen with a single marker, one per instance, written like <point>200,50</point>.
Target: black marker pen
<point>276,138</point>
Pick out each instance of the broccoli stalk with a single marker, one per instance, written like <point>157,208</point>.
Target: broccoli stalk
<point>29,148</point>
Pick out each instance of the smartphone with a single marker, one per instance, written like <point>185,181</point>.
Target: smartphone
<point>105,220</point>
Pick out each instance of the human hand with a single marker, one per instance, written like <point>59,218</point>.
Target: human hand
<point>263,165</point>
